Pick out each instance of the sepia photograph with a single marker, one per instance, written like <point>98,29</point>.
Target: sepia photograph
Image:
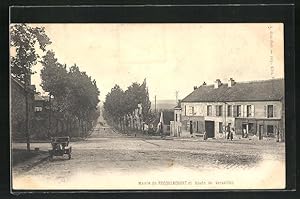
<point>147,106</point>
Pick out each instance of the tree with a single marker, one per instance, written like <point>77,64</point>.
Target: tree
<point>133,97</point>
<point>146,104</point>
<point>114,104</point>
<point>55,80</point>
<point>75,93</point>
<point>85,93</point>
<point>24,38</point>
<point>138,94</point>
<point>119,104</point>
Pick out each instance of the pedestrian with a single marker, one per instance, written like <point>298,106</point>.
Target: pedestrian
<point>205,135</point>
<point>231,133</point>
<point>245,133</point>
<point>277,134</point>
<point>228,132</point>
<point>191,128</point>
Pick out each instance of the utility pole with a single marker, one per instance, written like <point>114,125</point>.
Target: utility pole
<point>225,119</point>
<point>155,104</point>
<point>26,86</point>
<point>50,110</point>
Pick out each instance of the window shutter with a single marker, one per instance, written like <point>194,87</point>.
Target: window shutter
<point>274,111</point>
<point>265,110</point>
<point>243,110</point>
<point>234,111</point>
<point>217,110</point>
<point>252,110</point>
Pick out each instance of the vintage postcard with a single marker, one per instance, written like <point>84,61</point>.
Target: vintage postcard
<point>141,106</point>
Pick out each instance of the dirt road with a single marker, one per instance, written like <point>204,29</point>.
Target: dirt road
<point>109,160</point>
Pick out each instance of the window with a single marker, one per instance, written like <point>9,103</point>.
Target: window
<point>220,127</point>
<point>185,110</point>
<point>219,110</point>
<point>238,110</point>
<point>270,111</point>
<point>229,111</point>
<point>249,111</point>
<point>176,119</point>
<point>38,109</point>
<point>191,110</point>
<point>209,110</point>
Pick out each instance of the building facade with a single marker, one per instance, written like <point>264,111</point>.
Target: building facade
<point>18,107</point>
<point>248,108</point>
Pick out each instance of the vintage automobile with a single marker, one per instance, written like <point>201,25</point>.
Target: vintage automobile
<point>60,146</point>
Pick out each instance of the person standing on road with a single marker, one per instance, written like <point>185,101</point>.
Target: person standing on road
<point>228,132</point>
<point>205,135</point>
<point>231,133</point>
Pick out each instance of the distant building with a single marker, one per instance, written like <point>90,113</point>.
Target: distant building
<point>176,124</point>
<point>254,108</point>
<point>41,105</point>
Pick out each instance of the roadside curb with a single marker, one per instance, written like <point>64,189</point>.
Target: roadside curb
<point>29,164</point>
<point>39,161</point>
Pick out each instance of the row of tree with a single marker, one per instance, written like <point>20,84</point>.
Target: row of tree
<point>74,93</point>
<point>121,105</point>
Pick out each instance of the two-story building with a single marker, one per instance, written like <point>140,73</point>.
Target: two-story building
<point>18,93</point>
<point>254,108</point>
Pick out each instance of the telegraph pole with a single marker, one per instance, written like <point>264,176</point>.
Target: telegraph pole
<point>27,128</point>
<point>50,110</point>
<point>155,104</point>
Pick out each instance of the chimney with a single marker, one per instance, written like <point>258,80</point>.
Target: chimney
<point>218,83</point>
<point>231,82</point>
<point>204,84</point>
<point>195,87</point>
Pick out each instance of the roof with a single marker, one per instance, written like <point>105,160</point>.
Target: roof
<point>38,97</point>
<point>178,106</point>
<point>266,90</point>
<point>31,88</point>
<point>17,82</point>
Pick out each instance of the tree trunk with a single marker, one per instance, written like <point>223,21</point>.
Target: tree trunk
<point>63,127</point>
<point>82,127</point>
<point>56,131</point>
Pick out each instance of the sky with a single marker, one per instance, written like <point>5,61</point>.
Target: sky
<point>172,57</point>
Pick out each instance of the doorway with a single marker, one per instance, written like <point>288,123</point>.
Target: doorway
<point>210,129</point>
<point>260,131</point>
